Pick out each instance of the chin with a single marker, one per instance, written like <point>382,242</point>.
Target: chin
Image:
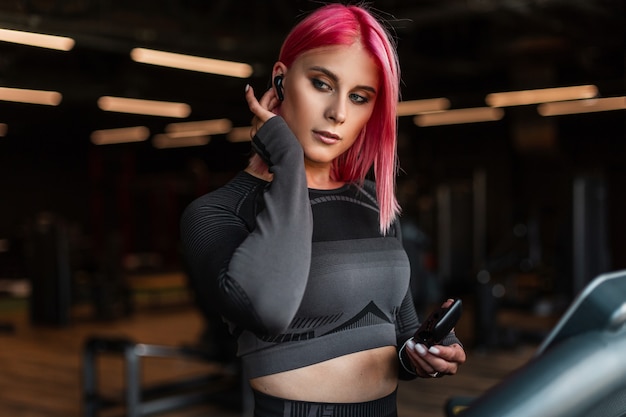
<point>316,159</point>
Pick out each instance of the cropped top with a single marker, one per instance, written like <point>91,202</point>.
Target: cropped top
<point>300,275</point>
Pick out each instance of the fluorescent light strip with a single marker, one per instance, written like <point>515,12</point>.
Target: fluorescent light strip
<point>20,95</point>
<point>201,127</point>
<point>544,95</point>
<point>582,106</point>
<point>413,107</point>
<point>239,134</point>
<point>459,116</point>
<point>121,135</point>
<point>3,129</point>
<point>149,107</point>
<point>191,63</point>
<point>164,141</point>
<point>37,39</point>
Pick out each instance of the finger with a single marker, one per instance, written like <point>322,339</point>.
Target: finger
<point>431,366</point>
<point>446,359</point>
<point>251,99</point>
<point>267,97</point>
<point>273,104</point>
<point>453,353</point>
<point>419,356</point>
<point>424,368</point>
<point>447,303</point>
<point>259,108</point>
<point>270,102</point>
<point>426,361</point>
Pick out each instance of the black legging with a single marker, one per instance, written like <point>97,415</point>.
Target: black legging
<point>268,406</point>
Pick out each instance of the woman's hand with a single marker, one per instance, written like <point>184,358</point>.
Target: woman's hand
<point>261,109</point>
<point>437,361</point>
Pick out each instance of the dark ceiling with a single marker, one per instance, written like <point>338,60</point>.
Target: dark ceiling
<point>461,49</point>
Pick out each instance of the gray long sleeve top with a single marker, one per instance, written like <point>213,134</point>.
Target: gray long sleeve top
<point>301,275</point>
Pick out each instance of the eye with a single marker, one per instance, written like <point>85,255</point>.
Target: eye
<point>359,99</point>
<point>319,84</point>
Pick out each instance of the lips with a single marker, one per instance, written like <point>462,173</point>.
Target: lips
<point>326,137</point>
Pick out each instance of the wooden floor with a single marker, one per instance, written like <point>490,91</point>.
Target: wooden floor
<point>40,367</point>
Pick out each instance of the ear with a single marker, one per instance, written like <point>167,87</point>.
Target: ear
<point>279,70</point>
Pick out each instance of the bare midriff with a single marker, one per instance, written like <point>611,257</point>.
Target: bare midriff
<point>357,377</point>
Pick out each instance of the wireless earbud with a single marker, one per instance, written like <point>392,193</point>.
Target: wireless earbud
<point>278,83</point>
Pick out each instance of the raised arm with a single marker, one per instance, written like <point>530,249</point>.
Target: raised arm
<point>256,274</point>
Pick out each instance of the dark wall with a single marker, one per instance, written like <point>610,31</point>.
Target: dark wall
<point>137,193</point>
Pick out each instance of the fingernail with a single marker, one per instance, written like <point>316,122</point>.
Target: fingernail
<point>410,344</point>
<point>421,349</point>
<point>434,350</point>
<point>247,87</point>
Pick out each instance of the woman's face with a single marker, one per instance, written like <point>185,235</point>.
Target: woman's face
<point>329,96</point>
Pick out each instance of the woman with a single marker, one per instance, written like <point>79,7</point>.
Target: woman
<point>300,253</point>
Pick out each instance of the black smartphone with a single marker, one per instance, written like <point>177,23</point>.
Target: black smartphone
<point>438,324</point>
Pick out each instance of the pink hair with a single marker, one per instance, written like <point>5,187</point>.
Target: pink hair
<point>337,24</point>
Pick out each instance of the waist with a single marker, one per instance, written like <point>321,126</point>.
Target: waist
<point>269,406</point>
<point>357,377</point>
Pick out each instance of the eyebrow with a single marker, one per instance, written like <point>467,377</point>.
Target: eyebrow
<point>335,78</point>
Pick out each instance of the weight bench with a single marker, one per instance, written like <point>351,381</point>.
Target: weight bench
<point>140,400</point>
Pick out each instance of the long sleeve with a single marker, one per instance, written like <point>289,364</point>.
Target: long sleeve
<point>256,273</point>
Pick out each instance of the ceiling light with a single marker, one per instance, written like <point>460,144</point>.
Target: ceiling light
<point>239,134</point>
<point>582,106</point>
<point>191,63</point>
<point>163,141</point>
<point>201,127</point>
<point>3,129</point>
<point>121,135</point>
<point>37,39</point>
<point>149,107</point>
<point>20,95</point>
<point>459,116</point>
<point>545,95</point>
<point>413,107</point>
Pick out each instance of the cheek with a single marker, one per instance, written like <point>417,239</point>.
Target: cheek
<point>361,120</point>
<point>296,108</point>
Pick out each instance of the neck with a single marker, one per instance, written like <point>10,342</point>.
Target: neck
<point>319,177</point>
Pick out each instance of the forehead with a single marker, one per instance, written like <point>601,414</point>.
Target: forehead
<point>352,64</point>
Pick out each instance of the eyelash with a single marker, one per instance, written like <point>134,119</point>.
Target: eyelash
<point>321,85</point>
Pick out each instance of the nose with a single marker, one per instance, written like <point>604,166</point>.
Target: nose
<point>336,110</point>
